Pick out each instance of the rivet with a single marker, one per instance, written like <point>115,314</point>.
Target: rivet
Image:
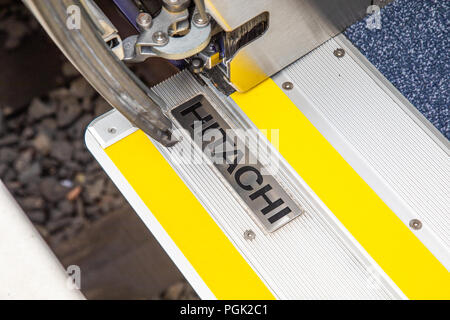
<point>339,52</point>
<point>288,85</point>
<point>249,235</point>
<point>415,224</point>
<point>112,130</point>
<point>144,20</point>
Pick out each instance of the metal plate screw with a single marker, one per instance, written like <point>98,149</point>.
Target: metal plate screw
<point>249,235</point>
<point>160,38</point>
<point>199,21</point>
<point>415,224</point>
<point>144,20</point>
<point>112,130</point>
<point>288,85</point>
<point>339,52</point>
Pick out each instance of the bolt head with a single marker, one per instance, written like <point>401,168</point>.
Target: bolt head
<point>339,52</point>
<point>160,38</point>
<point>176,5</point>
<point>288,85</point>
<point>249,235</point>
<point>415,224</point>
<point>212,47</point>
<point>144,20</point>
<point>112,130</point>
<point>199,21</point>
<point>197,65</point>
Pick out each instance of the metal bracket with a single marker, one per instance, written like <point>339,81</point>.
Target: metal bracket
<point>157,40</point>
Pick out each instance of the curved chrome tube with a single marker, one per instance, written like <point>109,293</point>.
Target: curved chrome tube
<point>85,48</point>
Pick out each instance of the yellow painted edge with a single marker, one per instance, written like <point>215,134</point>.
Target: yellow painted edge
<point>195,233</point>
<point>245,73</point>
<point>382,234</point>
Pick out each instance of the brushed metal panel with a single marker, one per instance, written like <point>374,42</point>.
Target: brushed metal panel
<point>311,257</point>
<point>295,28</point>
<point>399,158</point>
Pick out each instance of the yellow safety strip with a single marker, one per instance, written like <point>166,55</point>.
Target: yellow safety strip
<point>199,238</point>
<point>383,235</point>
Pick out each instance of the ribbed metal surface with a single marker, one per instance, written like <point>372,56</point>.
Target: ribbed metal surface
<point>311,257</point>
<point>391,142</point>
